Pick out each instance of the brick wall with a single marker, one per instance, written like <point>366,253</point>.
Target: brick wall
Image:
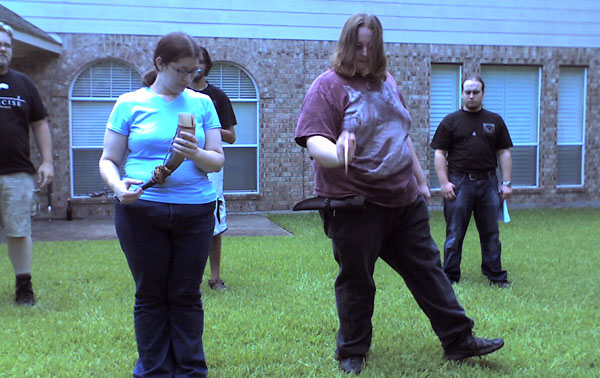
<point>283,71</point>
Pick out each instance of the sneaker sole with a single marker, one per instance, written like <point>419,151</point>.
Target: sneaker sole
<point>482,352</point>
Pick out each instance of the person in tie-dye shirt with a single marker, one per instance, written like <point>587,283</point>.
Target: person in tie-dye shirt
<point>355,126</point>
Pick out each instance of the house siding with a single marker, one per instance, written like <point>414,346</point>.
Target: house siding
<point>485,22</point>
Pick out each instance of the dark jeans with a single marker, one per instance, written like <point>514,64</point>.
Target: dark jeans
<point>401,237</point>
<point>480,198</point>
<point>167,246</point>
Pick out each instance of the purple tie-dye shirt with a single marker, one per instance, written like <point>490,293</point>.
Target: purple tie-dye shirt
<point>382,168</point>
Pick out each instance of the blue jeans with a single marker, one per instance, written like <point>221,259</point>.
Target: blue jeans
<point>480,198</point>
<point>166,246</point>
<point>400,237</point>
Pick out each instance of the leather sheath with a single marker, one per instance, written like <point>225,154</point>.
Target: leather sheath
<point>324,203</point>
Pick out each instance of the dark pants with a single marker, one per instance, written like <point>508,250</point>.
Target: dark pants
<point>167,246</point>
<point>480,198</point>
<point>401,237</point>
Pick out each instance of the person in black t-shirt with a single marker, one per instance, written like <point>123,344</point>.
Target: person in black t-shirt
<point>228,121</point>
<point>21,108</point>
<point>469,144</point>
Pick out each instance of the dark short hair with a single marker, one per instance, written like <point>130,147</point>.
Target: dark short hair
<point>473,78</point>
<point>342,60</point>
<point>172,47</point>
<point>5,28</point>
<point>206,57</point>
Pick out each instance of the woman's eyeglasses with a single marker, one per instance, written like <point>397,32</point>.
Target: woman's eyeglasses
<point>183,73</point>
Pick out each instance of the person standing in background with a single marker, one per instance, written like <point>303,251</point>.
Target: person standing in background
<point>21,108</point>
<point>228,121</point>
<point>469,145</point>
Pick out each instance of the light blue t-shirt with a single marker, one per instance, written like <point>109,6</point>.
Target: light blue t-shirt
<point>150,122</point>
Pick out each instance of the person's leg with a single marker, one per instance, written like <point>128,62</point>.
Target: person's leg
<point>412,252</point>
<point>457,214</point>
<point>215,282</point>
<point>191,238</point>
<point>16,203</point>
<point>20,251</point>
<point>356,237</point>
<point>486,219</point>
<point>143,229</point>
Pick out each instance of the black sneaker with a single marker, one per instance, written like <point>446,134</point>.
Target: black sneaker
<point>352,364</point>
<point>24,290</point>
<point>471,346</point>
<point>500,284</point>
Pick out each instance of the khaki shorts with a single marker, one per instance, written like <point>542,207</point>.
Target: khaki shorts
<point>16,203</point>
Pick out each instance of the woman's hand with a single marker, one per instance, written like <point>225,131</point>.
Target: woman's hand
<point>186,144</point>
<point>123,193</point>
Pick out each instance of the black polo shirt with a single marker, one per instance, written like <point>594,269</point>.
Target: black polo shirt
<point>472,140</point>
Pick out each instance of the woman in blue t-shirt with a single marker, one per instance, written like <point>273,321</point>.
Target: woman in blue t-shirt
<point>165,230</point>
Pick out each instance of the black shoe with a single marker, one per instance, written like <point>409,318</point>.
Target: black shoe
<point>500,284</point>
<point>352,364</point>
<point>471,346</point>
<point>24,290</point>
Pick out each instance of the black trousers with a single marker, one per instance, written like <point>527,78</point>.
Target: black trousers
<point>402,238</point>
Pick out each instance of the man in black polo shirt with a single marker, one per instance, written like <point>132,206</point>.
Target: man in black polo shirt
<point>469,144</point>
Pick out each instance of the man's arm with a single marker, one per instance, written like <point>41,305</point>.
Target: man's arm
<point>442,172</point>
<point>505,163</point>
<point>228,134</point>
<point>43,140</point>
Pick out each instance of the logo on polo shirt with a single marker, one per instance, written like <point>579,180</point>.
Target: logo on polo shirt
<point>489,127</point>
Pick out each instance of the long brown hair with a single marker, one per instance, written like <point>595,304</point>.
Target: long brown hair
<point>342,61</point>
<point>171,48</point>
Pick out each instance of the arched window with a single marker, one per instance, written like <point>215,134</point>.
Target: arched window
<point>92,98</point>
<point>241,158</point>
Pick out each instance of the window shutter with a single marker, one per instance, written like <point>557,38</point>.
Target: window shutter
<point>92,98</point>
<point>241,171</point>
<point>88,122</point>
<point>444,99</point>
<point>513,92</point>
<point>571,110</point>
<point>570,105</point>
<point>233,81</point>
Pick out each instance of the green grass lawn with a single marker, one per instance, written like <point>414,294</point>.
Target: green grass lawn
<point>278,319</point>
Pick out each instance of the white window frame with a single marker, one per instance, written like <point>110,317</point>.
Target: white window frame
<point>80,140</point>
<point>505,74</point>
<point>237,96</point>
<point>444,98</point>
<point>571,115</point>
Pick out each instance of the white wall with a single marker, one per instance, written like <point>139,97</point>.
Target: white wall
<point>488,22</point>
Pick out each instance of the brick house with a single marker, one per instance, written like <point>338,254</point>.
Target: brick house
<point>541,67</point>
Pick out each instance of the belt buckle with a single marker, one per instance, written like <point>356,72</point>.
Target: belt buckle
<point>472,177</point>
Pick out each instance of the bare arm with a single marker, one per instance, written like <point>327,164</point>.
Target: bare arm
<point>329,154</point>
<point>442,172</point>
<point>505,163</point>
<point>418,172</point>
<point>228,134</point>
<point>43,140</point>
<point>115,145</point>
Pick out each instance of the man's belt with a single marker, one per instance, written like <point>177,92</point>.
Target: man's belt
<point>473,176</point>
<point>323,203</point>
